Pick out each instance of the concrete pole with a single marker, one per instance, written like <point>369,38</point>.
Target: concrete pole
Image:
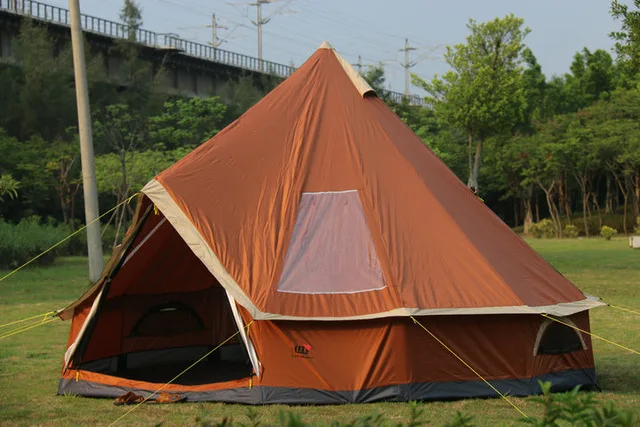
<point>86,145</point>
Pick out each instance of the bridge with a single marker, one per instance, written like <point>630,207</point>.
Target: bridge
<point>194,69</point>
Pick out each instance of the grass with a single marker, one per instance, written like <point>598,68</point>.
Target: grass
<point>30,362</point>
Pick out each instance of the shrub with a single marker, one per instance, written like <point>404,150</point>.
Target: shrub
<point>608,232</point>
<point>544,228</point>
<point>21,242</point>
<point>570,231</point>
<point>576,409</point>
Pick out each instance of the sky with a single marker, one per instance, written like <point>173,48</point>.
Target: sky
<point>373,29</point>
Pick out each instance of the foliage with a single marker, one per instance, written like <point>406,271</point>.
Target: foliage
<point>482,94</point>
<point>570,231</point>
<point>141,167</point>
<point>23,241</point>
<point>545,228</point>
<point>628,38</point>
<point>607,232</point>
<point>186,122</point>
<point>131,16</point>
<point>576,409</point>
<point>8,187</point>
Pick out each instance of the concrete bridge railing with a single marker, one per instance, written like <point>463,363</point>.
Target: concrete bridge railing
<point>104,27</point>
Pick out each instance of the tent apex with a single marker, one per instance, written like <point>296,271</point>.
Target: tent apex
<point>325,45</point>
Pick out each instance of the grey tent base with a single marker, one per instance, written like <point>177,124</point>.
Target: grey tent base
<point>561,381</point>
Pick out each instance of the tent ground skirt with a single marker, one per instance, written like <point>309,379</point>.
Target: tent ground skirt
<point>241,391</point>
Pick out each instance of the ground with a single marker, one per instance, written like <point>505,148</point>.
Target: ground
<point>30,362</point>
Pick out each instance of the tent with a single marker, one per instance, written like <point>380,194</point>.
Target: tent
<point>316,226</point>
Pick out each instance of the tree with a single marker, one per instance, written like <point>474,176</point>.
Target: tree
<point>131,16</point>
<point>592,77</point>
<point>483,93</point>
<point>535,85</point>
<point>63,165</point>
<point>376,78</point>
<point>187,122</point>
<point>628,38</point>
<point>8,187</point>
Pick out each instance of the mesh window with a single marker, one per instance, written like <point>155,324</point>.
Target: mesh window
<point>559,339</point>
<point>167,319</point>
<point>331,250</point>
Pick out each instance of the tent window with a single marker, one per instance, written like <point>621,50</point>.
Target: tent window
<point>556,338</point>
<point>168,319</point>
<point>331,250</point>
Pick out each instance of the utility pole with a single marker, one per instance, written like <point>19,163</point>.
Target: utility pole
<point>359,64</point>
<point>407,65</point>
<point>260,21</point>
<point>90,188</point>
<point>214,36</point>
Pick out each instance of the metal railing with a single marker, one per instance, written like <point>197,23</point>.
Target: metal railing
<point>104,27</point>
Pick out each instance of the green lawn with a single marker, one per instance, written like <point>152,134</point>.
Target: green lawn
<point>30,362</point>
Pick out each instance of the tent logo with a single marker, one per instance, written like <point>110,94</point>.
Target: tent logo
<point>302,351</point>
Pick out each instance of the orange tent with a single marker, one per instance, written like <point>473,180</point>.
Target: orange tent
<point>316,225</point>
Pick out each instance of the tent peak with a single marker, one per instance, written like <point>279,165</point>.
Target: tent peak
<point>361,84</point>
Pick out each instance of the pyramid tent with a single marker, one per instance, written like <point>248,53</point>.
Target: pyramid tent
<point>313,228</point>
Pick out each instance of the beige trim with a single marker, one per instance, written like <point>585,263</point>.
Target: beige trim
<point>192,237</point>
<point>248,344</point>
<point>72,348</point>
<point>559,310</point>
<point>357,80</point>
<point>163,201</point>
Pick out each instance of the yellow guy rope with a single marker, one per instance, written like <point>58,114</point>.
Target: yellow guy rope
<point>591,334</point>
<point>26,328</point>
<point>178,376</point>
<point>66,238</point>
<point>29,318</point>
<point>470,368</point>
<point>624,309</point>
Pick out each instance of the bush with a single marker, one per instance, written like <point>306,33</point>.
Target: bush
<point>544,228</point>
<point>21,242</point>
<point>575,409</point>
<point>608,232</point>
<point>570,231</point>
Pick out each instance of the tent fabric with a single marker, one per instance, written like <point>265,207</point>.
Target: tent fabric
<point>369,360</point>
<point>438,246</point>
<point>310,230</point>
<point>261,395</point>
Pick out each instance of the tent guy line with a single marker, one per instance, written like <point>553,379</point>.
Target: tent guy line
<point>591,334</point>
<point>470,367</point>
<point>11,273</point>
<point>179,375</point>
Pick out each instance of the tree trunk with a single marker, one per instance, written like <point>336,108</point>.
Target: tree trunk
<point>528,216</point>
<point>585,202</point>
<point>597,205</point>
<point>537,209</point>
<point>561,198</point>
<point>625,194</point>
<point>475,170</point>
<point>608,206</point>
<point>637,201</point>
<point>516,214</point>
<point>63,206</point>
<point>567,201</point>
